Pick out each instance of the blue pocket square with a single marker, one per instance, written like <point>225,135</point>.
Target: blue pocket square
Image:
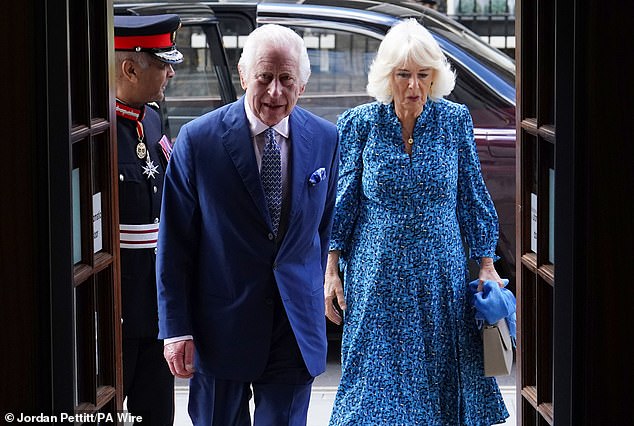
<point>317,176</point>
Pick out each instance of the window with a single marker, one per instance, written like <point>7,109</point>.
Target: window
<point>94,288</point>
<point>234,29</point>
<point>199,84</point>
<point>339,62</point>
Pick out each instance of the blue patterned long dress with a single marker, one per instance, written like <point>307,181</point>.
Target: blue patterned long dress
<point>411,351</point>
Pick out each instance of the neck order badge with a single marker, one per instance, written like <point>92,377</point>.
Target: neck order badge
<point>124,111</point>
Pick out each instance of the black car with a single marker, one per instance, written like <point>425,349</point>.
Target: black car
<point>342,37</point>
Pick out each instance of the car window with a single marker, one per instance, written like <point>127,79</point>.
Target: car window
<point>195,88</point>
<point>196,74</point>
<point>339,62</point>
<point>234,29</point>
<point>488,109</point>
<point>474,46</point>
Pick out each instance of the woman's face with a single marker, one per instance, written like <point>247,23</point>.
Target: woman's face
<point>410,86</point>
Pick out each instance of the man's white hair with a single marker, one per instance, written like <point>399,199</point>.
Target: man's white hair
<point>276,36</point>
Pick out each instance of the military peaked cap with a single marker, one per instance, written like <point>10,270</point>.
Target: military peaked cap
<point>154,34</point>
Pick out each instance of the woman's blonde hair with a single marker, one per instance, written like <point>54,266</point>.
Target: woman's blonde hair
<point>409,40</point>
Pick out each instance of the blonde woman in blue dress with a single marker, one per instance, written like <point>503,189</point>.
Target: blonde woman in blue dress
<point>410,189</point>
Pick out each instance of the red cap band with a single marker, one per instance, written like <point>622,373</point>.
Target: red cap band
<point>159,41</point>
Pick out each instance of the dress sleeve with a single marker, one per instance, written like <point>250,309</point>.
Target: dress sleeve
<point>476,213</point>
<point>352,137</point>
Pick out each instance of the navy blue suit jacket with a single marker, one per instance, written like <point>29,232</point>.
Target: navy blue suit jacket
<point>217,262</point>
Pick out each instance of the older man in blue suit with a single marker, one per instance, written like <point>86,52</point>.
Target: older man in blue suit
<point>245,223</point>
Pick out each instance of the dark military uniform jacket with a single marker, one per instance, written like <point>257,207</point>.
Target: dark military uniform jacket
<point>141,172</point>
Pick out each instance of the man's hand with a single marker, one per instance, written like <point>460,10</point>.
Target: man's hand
<point>180,358</point>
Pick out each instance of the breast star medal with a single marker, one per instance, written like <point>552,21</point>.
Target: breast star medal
<point>150,169</point>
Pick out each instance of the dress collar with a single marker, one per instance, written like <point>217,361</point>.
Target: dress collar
<point>422,118</point>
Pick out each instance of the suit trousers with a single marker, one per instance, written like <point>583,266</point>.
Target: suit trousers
<point>281,393</point>
<point>148,383</point>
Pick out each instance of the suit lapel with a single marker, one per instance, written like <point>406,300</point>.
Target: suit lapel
<point>302,140</point>
<point>239,145</point>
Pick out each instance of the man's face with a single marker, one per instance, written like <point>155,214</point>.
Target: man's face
<point>153,79</point>
<point>273,86</point>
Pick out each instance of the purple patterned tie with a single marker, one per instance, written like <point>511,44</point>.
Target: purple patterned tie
<point>271,175</point>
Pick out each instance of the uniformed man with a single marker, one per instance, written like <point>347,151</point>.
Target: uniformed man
<point>145,52</point>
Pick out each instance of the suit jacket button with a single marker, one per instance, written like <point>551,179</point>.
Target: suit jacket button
<point>275,266</point>
<point>268,301</point>
<point>271,236</point>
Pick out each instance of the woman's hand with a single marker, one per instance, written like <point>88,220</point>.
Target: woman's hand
<point>488,273</point>
<point>333,289</point>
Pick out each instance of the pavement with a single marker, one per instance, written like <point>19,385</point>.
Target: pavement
<point>323,395</point>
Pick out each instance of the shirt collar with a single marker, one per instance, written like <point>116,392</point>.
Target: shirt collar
<point>258,127</point>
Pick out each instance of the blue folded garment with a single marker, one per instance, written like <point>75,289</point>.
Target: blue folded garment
<point>494,303</point>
